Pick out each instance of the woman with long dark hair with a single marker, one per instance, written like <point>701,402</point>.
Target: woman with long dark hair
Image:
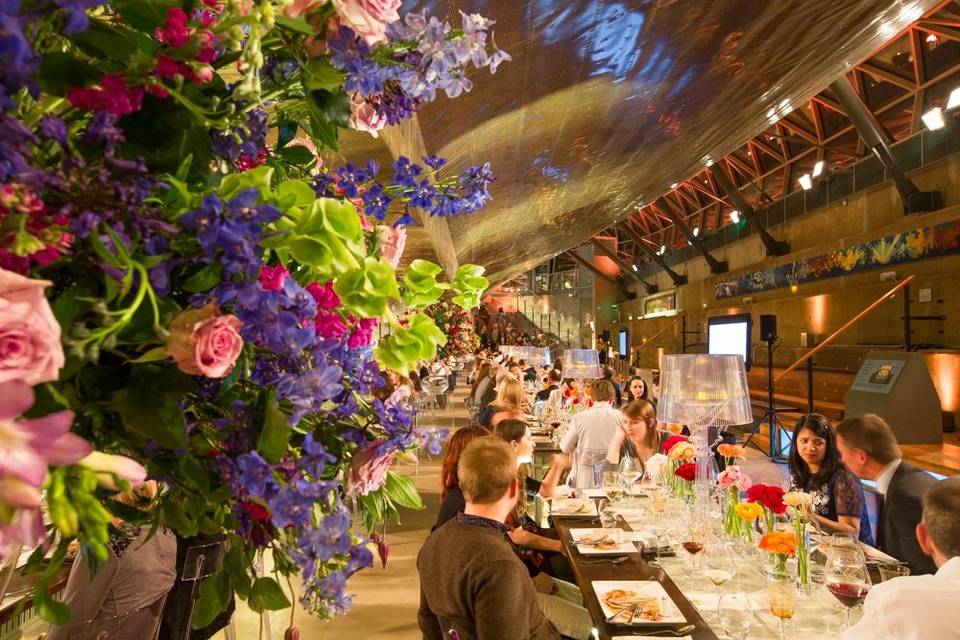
<point>636,390</point>
<point>815,467</point>
<point>453,501</point>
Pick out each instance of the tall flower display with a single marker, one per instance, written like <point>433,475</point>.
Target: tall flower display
<point>799,503</point>
<point>190,286</point>
<point>457,325</point>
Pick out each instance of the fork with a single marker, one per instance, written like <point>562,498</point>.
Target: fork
<point>616,560</point>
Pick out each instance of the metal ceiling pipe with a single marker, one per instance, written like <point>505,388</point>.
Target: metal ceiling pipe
<point>651,288</point>
<point>716,266</point>
<point>873,135</point>
<point>675,277</point>
<point>773,246</point>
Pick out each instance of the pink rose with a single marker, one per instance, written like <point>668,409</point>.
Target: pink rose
<point>363,333</point>
<point>364,117</point>
<point>324,294</point>
<point>30,349</point>
<point>732,476</point>
<point>392,242</point>
<point>205,343</point>
<point>368,18</point>
<point>368,471</point>
<point>272,278</point>
<point>330,325</point>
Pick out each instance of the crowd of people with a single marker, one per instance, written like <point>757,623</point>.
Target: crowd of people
<point>488,570</point>
<point>497,329</point>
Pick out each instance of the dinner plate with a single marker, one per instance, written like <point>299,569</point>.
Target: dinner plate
<point>620,549</point>
<point>670,613</point>
<point>573,508</point>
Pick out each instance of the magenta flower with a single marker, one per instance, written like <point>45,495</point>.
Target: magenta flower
<point>27,448</point>
<point>113,96</point>
<point>174,31</point>
<point>325,296</point>
<point>363,333</point>
<point>330,325</point>
<point>272,278</point>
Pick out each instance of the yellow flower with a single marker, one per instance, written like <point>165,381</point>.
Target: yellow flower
<point>749,510</point>
<point>683,451</point>
<point>797,499</point>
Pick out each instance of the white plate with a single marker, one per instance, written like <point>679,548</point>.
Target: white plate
<point>624,547</point>
<point>574,508</point>
<point>647,588</point>
<point>593,493</point>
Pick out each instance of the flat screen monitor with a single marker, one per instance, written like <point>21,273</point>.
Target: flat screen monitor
<point>730,335</point>
<point>624,344</point>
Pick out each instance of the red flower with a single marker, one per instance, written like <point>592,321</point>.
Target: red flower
<point>672,440</point>
<point>687,471</point>
<point>256,511</point>
<point>113,96</point>
<point>769,496</point>
<point>174,31</point>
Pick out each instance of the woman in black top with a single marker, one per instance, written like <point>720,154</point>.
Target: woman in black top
<point>816,468</point>
<point>452,501</point>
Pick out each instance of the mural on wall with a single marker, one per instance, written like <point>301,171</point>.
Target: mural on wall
<point>660,304</point>
<point>926,242</point>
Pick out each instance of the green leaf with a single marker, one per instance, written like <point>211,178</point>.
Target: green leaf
<point>204,279</point>
<point>258,179</point>
<point>215,595</point>
<point>298,24</point>
<point>153,355</point>
<point>145,15</point>
<point>275,435</point>
<point>297,154</point>
<point>102,40</point>
<point>61,71</point>
<point>401,491</point>
<point>177,518</point>
<point>321,75</point>
<point>148,404</point>
<point>266,594</point>
<point>298,191</point>
<point>366,291</point>
<point>323,133</point>
<point>329,106</point>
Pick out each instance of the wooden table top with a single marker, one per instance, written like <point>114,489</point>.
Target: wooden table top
<point>634,568</point>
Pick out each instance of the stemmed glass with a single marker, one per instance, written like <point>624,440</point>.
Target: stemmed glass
<point>736,615</point>
<point>631,470</point>
<point>847,578</point>
<point>718,565</point>
<point>611,485</point>
<point>783,601</point>
<point>694,541</point>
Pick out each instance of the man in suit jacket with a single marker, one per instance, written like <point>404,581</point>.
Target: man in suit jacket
<point>869,448</point>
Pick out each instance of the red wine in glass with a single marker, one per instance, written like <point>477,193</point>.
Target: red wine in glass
<point>849,594</point>
<point>555,425</point>
<point>693,547</point>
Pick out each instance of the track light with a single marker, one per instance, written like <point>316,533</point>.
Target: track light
<point>675,185</point>
<point>806,181</point>
<point>817,168</point>
<point>954,100</point>
<point>934,119</point>
<point>634,267</point>
<point>663,249</point>
<point>734,216</point>
<point>696,231</point>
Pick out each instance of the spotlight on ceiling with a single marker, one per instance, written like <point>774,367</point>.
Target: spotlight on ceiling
<point>734,216</point>
<point>663,249</point>
<point>934,119</point>
<point>818,168</point>
<point>634,267</point>
<point>806,181</point>
<point>696,231</point>
<point>932,38</point>
<point>954,100</point>
<point>675,185</point>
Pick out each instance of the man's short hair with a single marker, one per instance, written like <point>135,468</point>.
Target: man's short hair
<point>555,376</point>
<point>487,467</point>
<point>941,515</point>
<point>871,434</point>
<point>602,390</point>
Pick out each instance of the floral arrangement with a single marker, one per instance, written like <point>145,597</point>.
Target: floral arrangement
<point>799,504</point>
<point>686,471</point>
<point>732,481</point>
<point>189,292</point>
<point>457,325</point>
<point>731,452</point>
<point>770,497</point>
<point>781,545</point>
<point>680,454</point>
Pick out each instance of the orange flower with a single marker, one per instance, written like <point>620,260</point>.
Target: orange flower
<point>674,428</point>
<point>779,542</point>
<point>731,450</point>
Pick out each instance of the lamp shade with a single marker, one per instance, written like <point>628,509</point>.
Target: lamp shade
<point>581,363</point>
<point>704,390</point>
<point>537,356</point>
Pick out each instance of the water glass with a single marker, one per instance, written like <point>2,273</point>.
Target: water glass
<point>736,615</point>
<point>608,515</point>
<point>891,570</point>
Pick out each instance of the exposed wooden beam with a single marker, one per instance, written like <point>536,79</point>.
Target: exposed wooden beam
<point>624,267</point>
<point>716,266</point>
<point>583,262</point>
<point>641,244</point>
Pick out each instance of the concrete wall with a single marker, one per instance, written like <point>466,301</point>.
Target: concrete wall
<point>821,307</point>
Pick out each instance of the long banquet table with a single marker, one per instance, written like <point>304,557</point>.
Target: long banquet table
<point>818,615</point>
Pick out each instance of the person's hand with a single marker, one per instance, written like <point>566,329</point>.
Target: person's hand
<point>520,536</point>
<point>560,460</point>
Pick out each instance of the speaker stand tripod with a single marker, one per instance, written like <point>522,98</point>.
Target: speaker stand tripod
<point>779,452</point>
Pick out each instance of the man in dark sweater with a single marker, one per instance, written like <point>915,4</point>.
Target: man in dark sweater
<point>472,585</point>
<point>868,447</point>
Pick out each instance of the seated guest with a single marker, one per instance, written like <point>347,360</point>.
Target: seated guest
<point>510,404</point>
<point>517,434</point>
<point>472,585</point>
<point>815,467</point>
<point>636,390</point>
<point>921,607</point>
<point>590,435</point>
<point>141,566</point>
<point>451,497</point>
<point>637,436</point>
<point>617,391</point>
<point>483,390</point>
<point>553,383</point>
<point>869,449</point>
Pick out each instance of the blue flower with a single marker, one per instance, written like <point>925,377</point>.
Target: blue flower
<point>290,507</point>
<point>375,202</point>
<point>256,476</point>
<point>434,162</point>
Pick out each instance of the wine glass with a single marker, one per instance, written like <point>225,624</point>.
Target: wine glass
<point>718,566</point>
<point>847,578</point>
<point>611,485</point>
<point>736,615</point>
<point>693,541</point>
<point>783,601</point>
<point>631,470</point>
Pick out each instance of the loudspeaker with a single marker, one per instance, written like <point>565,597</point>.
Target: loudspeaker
<point>768,328</point>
